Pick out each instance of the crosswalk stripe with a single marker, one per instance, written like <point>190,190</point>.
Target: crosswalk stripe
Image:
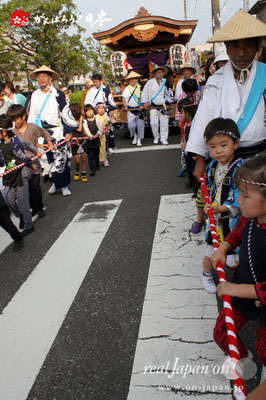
<point>148,148</point>
<point>178,316</point>
<point>32,319</point>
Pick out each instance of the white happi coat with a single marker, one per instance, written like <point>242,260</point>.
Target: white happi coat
<point>151,88</point>
<point>104,96</point>
<point>132,103</point>
<point>225,97</point>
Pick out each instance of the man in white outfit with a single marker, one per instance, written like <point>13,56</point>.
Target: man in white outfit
<point>132,99</point>
<point>187,71</point>
<point>158,93</point>
<point>236,91</point>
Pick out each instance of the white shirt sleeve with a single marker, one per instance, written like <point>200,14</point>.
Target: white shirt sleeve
<point>205,113</point>
<point>178,89</point>
<point>145,95</point>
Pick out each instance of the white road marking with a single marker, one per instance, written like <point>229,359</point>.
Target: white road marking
<point>32,319</point>
<point>176,357</point>
<point>148,148</point>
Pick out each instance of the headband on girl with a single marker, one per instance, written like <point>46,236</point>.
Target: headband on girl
<point>253,183</point>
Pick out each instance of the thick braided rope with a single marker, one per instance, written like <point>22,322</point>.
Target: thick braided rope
<point>239,385</point>
<point>33,158</point>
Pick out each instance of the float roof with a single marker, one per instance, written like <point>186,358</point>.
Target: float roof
<point>147,32</point>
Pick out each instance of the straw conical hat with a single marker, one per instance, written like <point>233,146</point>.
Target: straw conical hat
<point>187,66</point>
<point>43,68</point>
<point>155,67</point>
<point>133,75</point>
<point>241,26</point>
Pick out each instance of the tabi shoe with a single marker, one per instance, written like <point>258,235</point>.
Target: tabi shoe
<point>134,141</point>
<point>21,222</point>
<point>139,144</point>
<point>106,163</point>
<point>27,232</point>
<point>165,143</point>
<point>156,141</point>
<point>52,189</point>
<point>18,245</point>
<point>84,178</point>
<point>76,176</point>
<point>110,150</point>
<point>66,191</point>
<point>41,213</point>
<point>196,228</point>
<point>208,283</point>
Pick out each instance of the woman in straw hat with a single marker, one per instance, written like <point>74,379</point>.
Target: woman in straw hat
<point>47,104</point>
<point>158,93</point>
<point>236,91</point>
<point>131,99</point>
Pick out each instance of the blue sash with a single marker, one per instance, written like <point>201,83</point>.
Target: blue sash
<point>255,94</point>
<point>97,94</point>
<point>137,99</point>
<point>38,120</point>
<point>161,88</point>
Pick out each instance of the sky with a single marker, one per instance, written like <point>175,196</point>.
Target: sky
<point>118,11</point>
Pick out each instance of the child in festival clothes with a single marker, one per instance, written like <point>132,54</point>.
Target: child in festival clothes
<point>106,125</point>
<point>222,137</point>
<point>93,129</point>
<point>31,132</point>
<point>248,286</point>
<point>16,183</point>
<point>72,115</point>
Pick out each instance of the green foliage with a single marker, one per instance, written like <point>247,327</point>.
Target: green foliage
<point>75,97</point>
<point>28,47</point>
<point>99,59</point>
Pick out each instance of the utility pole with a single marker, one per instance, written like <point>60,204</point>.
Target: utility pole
<point>185,14</point>
<point>246,5</point>
<point>185,9</point>
<point>215,19</point>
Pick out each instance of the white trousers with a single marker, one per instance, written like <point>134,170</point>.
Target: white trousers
<point>139,124</point>
<point>157,119</point>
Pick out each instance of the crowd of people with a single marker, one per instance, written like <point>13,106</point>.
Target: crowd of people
<point>221,117</point>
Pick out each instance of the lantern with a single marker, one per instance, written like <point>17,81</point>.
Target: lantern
<point>119,64</point>
<point>177,56</point>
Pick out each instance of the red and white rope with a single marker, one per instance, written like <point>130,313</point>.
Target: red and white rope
<point>239,385</point>
<point>33,158</point>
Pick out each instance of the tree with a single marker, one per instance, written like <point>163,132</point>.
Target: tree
<point>43,40</point>
<point>99,57</point>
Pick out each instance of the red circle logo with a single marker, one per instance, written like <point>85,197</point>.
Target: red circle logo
<point>19,18</point>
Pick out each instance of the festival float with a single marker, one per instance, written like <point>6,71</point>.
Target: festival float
<point>142,41</point>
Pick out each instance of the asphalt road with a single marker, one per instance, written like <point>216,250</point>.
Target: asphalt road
<point>92,355</point>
